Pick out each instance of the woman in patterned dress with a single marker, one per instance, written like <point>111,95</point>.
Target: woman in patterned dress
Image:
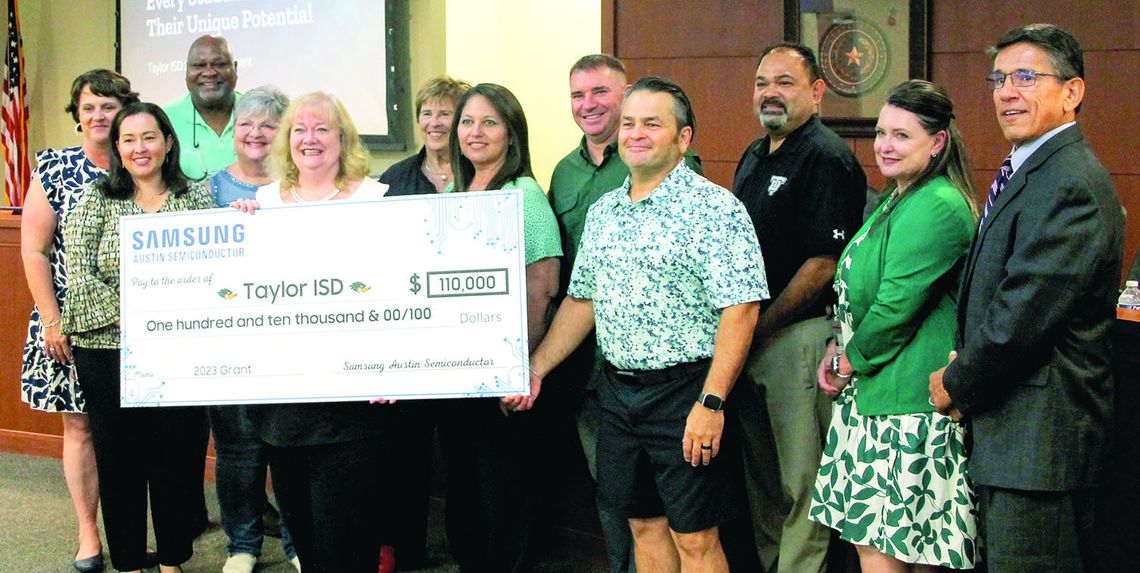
<point>142,452</point>
<point>48,381</point>
<point>893,478</point>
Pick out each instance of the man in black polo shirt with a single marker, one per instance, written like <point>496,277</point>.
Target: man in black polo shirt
<point>805,192</point>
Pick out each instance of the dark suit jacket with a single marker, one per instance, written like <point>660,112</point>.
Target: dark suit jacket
<point>1035,306</point>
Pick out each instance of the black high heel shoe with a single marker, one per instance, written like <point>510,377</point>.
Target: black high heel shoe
<point>93,564</point>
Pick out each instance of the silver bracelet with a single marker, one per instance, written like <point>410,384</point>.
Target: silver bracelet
<point>835,368</point>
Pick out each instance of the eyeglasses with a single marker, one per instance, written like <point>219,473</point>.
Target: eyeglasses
<point>1021,79</point>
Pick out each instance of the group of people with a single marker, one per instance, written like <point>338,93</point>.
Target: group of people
<point>932,382</point>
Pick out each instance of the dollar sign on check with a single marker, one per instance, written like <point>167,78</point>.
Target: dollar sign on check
<point>415,282</point>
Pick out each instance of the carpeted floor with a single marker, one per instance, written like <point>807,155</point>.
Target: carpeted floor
<point>37,529</point>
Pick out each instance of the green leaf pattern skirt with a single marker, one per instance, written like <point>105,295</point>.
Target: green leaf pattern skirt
<point>898,483</point>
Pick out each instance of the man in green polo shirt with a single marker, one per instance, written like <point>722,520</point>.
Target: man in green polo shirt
<point>204,119</point>
<point>591,170</point>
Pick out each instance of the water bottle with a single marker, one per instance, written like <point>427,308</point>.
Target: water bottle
<point>1128,305</point>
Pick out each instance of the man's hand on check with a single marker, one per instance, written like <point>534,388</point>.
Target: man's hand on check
<point>522,402</point>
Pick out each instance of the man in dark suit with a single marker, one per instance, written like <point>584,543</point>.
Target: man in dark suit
<point>1032,373</point>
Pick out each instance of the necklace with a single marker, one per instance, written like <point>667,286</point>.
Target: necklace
<point>432,172</point>
<point>297,197</point>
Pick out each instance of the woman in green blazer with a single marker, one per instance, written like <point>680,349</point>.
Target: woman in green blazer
<point>892,479</point>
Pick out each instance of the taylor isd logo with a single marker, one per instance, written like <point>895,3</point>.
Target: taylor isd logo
<point>853,56</point>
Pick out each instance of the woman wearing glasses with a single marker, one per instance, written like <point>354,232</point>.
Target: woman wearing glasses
<point>242,456</point>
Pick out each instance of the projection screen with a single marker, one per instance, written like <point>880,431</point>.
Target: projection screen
<point>354,49</point>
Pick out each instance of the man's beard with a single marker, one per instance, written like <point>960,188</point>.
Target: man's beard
<point>774,122</point>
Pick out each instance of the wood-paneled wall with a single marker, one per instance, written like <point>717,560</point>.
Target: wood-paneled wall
<point>710,48</point>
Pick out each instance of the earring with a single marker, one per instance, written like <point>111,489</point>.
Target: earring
<point>78,128</point>
<point>934,156</point>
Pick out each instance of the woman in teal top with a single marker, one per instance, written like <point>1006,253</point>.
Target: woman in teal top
<point>892,479</point>
<point>490,474</point>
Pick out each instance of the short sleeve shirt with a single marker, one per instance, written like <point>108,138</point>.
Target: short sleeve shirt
<point>660,271</point>
<point>540,229</point>
<point>204,152</point>
<point>226,188</point>
<point>806,200</point>
<point>577,183</point>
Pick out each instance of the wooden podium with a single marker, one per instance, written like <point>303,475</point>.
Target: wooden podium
<point>22,430</point>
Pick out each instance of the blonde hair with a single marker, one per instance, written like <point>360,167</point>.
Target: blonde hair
<point>442,89</point>
<point>354,159</point>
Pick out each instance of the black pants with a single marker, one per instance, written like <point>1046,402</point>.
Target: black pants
<point>1039,531</point>
<point>490,494</point>
<point>137,449</point>
<point>409,448</point>
<point>329,498</point>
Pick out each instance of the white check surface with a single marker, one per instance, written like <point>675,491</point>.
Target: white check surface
<point>406,297</point>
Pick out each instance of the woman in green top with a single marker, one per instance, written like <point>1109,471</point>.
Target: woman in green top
<point>490,482</point>
<point>137,450</point>
<point>892,479</point>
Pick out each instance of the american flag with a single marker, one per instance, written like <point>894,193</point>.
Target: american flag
<point>15,114</point>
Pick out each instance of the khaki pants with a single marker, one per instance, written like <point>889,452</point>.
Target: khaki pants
<point>785,418</point>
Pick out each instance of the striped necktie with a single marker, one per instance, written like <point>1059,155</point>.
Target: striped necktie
<point>998,186</point>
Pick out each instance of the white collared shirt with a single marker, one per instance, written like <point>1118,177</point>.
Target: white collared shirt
<point>1022,152</point>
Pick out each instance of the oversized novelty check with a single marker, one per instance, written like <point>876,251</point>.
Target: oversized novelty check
<point>406,297</point>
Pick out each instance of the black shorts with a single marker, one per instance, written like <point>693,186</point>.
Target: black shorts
<point>642,471</point>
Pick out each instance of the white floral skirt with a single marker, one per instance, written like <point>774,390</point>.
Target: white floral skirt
<point>898,483</point>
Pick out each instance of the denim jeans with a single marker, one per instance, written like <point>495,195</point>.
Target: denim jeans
<point>242,459</point>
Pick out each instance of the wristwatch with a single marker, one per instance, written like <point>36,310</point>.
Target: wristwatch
<point>711,401</point>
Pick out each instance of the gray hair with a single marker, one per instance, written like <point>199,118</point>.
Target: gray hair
<point>265,99</point>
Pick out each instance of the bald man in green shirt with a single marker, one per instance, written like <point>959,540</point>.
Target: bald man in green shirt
<point>204,119</point>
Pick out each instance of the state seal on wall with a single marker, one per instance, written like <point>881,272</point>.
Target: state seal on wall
<point>853,57</point>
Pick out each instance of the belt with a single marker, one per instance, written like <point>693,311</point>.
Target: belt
<point>674,372</point>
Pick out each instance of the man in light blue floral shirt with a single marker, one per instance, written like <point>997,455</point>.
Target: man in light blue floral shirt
<point>670,274</point>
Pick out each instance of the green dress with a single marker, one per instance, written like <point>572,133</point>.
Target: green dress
<point>893,474</point>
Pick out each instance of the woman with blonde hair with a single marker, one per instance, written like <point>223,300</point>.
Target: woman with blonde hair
<point>324,456</point>
<point>430,170</point>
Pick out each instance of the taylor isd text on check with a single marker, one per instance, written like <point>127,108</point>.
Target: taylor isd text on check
<point>406,297</point>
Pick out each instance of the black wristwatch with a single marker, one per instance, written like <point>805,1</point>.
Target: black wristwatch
<point>711,401</point>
